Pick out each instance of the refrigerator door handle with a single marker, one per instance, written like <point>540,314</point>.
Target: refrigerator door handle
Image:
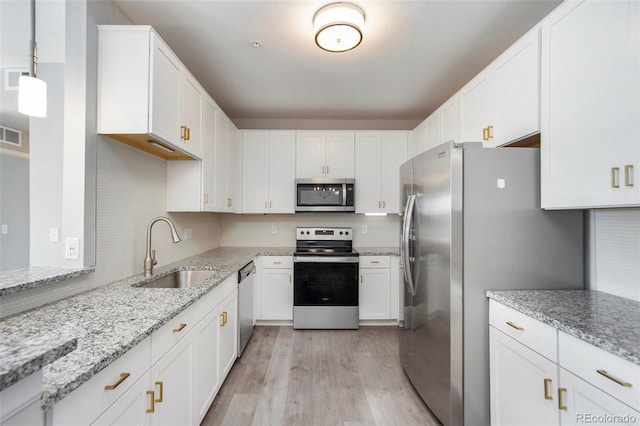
<point>406,228</point>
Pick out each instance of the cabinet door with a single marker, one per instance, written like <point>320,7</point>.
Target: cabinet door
<point>310,154</point>
<point>164,116</point>
<point>233,171</point>
<point>228,334</point>
<point>368,172</point>
<point>374,294</point>
<point>394,153</point>
<point>449,120</point>
<point>191,133</point>
<point>476,107</point>
<point>433,130</point>
<point>209,155</point>
<point>418,139</point>
<point>220,197</point>
<point>131,408</point>
<point>340,155</point>
<point>582,403</point>
<point>206,380</point>
<point>282,172</point>
<point>523,384</point>
<point>590,103</point>
<point>277,294</point>
<point>255,173</point>
<point>172,383</point>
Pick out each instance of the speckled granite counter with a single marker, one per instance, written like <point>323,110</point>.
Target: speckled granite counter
<point>112,319</point>
<point>22,279</point>
<point>609,322</point>
<point>378,251</point>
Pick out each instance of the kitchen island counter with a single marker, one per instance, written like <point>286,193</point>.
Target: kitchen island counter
<point>606,321</point>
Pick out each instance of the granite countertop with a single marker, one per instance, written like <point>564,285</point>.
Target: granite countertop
<point>107,322</point>
<point>22,279</point>
<point>609,322</point>
<point>378,251</point>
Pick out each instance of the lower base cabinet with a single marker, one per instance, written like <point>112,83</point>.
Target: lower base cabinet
<point>275,289</point>
<point>179,387</point>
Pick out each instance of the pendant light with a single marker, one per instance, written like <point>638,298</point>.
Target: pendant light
<point>32,92</point>
<point>338,27</point>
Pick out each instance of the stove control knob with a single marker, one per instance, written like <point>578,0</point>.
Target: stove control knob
<point>346,233</point>
<point>340,232</point>
<point>308,232</point>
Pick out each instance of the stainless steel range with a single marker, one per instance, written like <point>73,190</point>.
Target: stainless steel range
<point>325,279</point>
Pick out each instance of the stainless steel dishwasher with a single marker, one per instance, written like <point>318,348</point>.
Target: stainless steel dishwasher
<point>245,305</point>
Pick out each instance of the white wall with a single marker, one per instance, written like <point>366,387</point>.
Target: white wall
<point>615,252</point>
<point>256,230</point>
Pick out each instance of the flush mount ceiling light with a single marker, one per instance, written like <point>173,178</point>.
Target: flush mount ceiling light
<point>338,27</point>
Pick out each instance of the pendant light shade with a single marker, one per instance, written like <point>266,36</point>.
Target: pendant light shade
<point>32,96</point>
<point>338,27</point>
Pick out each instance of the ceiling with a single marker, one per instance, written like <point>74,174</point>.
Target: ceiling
<point>414,55</point>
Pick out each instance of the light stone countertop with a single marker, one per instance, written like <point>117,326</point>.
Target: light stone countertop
<point>606,321</point>
<point>378,251</point>
<point>22,279</point>
<point>109,321</point>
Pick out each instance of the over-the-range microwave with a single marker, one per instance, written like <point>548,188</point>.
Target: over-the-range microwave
<point>325,195</point>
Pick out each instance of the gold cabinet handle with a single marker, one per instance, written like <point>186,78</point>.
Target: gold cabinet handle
<point>547,394</point>
<point>489,132</point>
<point>153,402</point>
<point>223,316</point>
<point>160,391</point>
<point>485,133</point>
<point>188,134</point>
<point>614,177</point>
<point>561,405</point>
<point>324,168</point>
<point>277,263</point>
<point>384,204</point>
<point>270,204</point>
<point>613,379</point>
<point>183,133</point>
<point>180,328</point>
<point>265,204</point>
<point>510,324</point>
<point>206,198</point>
<point>628,175</point>
<point>123,377</point>
<point>360,278</point>
<point>328,170</point>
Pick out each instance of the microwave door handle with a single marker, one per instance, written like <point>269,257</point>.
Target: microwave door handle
<point>344,194</point>
<point>408,219</point>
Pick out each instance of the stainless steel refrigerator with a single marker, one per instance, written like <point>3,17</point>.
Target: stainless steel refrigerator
<point>472,222</point>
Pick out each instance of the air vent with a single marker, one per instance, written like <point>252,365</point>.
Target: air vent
<point>10,136</point>
<point>12,76</point>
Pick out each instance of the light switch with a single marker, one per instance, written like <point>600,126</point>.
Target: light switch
<point>5,229</point>
<point>501,183</point>
<point>54,235</point>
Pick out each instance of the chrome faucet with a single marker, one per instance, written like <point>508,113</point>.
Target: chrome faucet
<point>150,258</point>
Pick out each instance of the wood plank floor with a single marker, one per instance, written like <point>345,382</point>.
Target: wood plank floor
<point>319,377</point>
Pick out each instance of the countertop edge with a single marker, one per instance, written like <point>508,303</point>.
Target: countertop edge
<point>45,276</point>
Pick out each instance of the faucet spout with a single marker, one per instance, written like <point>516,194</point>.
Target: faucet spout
<point>150,257</point>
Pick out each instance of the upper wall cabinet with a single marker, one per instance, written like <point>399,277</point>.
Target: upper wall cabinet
<point>322,154</point>
<point>268,171</point>
<point>378,159</point>
<point>590,136</point>
<point>501,104</point>
<point>441,126</point>
<point>146,97</point>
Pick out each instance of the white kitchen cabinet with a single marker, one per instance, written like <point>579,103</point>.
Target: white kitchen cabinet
<point>134,407</point>
<point>523,384</point>
<point>542,376</point>
<point>321,154</point>
<point>20,402</point>
<point>227,334</point>
<point>379,155</point>
<point>275,288</point>
<point>590,98</point>
<point>449,121</point>
<point>268,171</point>
<point>207,380</point>
<point>227,162</point>
<point>441,126</point>
<point>142,90</point>
<point>374,288</point>
<point>501,104</point>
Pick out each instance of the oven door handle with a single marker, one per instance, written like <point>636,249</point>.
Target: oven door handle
<point>326,259</point>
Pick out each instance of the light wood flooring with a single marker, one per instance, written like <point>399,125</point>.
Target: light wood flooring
<point>318,377</point>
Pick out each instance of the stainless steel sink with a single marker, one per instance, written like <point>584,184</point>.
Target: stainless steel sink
<point>180,279</point>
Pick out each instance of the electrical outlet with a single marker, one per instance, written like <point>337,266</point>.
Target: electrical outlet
<point>188,233</point>
<point>54,235</point>
<point>72,248</point>
<point>274,229</point>
<point>364,229</point>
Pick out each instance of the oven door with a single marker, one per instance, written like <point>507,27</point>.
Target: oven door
<point>325,280</point>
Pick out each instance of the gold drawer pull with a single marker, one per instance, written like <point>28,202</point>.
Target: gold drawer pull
<point>179,329</point>
<point>223,316</point>
<point>123,377</point>
<point>510,324</point>
<point>485,133</point>
<point>160,392</point>
<point>183,132</point>
<point>153,402</point>
<point>547,395</point>
<point>620,382</point>
<point>628,175</point>
<point>561,405</point>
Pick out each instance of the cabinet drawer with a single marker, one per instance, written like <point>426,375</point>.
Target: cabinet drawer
<point>540,337</point>
<point>375,261</point>
<point>593,365</point>
<point>86,403</point>
<point>172,332</point>
<point>277,262</point>
<point>209,301</point>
